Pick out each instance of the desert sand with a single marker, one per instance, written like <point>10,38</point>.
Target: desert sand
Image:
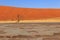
<point>10,13</point>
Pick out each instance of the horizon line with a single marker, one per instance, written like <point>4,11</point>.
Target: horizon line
<point>29,7</point>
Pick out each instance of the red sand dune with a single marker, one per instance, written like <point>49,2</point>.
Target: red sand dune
<point>10,13</point>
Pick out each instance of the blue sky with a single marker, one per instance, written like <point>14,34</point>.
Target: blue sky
<point>31,3</point>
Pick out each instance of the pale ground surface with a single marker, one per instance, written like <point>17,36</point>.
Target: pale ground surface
<point>33,21</point>
<point>30,31</point>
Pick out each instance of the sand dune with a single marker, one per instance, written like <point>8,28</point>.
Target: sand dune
<point>8,14</point>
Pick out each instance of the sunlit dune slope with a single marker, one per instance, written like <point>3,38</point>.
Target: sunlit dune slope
<point>10,13</point>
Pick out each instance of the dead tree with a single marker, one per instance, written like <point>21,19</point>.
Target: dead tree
<point>18,18</point>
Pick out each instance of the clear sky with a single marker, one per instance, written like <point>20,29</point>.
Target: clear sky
<point>31,3</point>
